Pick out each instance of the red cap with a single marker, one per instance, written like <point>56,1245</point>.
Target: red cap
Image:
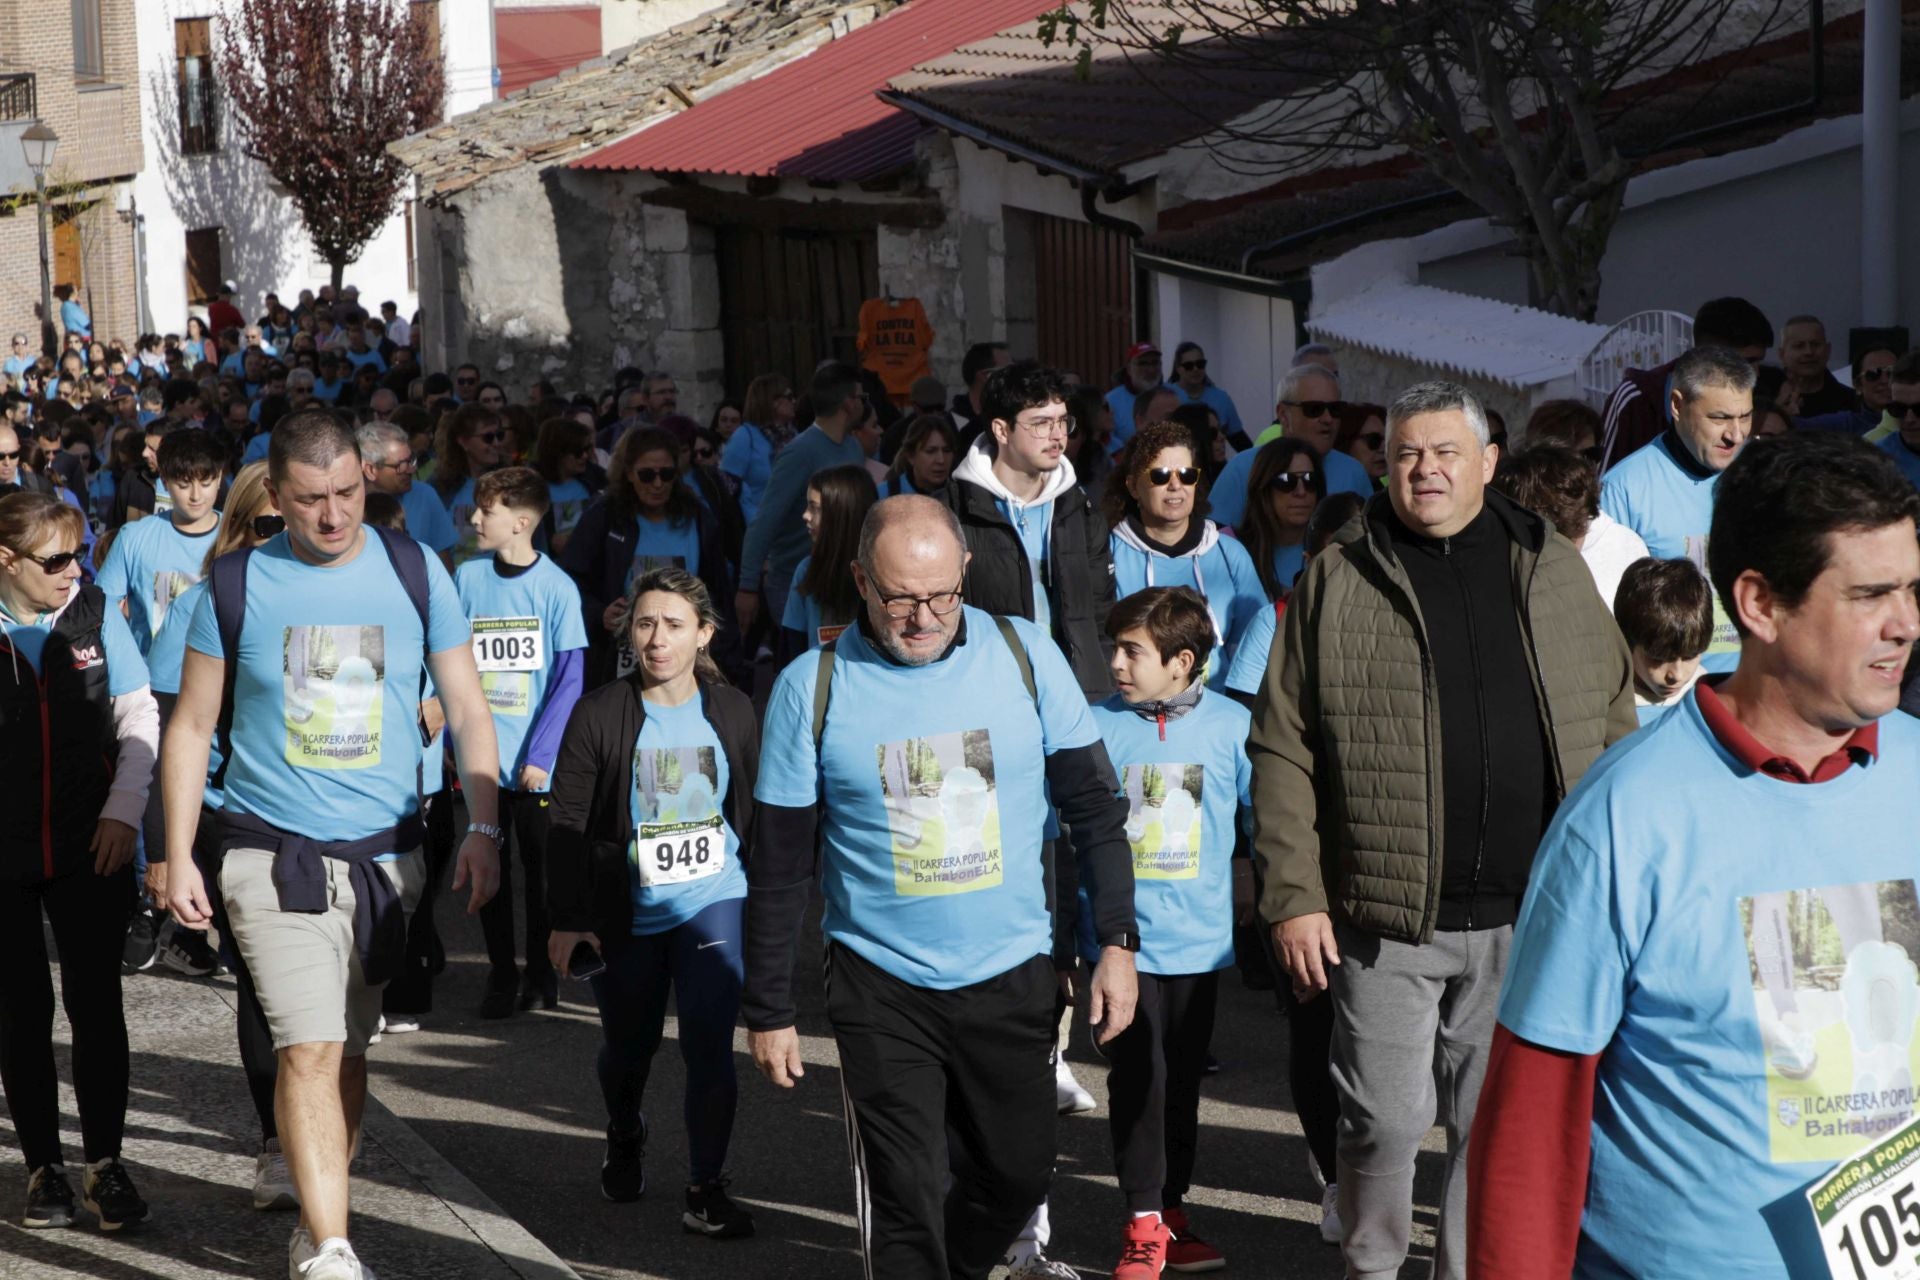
<point>1139,349</point>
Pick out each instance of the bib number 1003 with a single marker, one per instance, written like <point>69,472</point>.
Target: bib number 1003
<point>1884,1235</point>
<point>507,650</point>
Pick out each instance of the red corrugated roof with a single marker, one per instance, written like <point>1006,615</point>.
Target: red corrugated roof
<point>818,117</point>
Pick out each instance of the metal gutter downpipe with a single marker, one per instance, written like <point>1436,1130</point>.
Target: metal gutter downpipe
<point>1880,166</point>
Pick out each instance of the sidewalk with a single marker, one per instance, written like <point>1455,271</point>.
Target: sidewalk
<point>191,1139</point>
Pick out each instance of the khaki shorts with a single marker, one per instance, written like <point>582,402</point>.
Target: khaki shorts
<point>305,967</point>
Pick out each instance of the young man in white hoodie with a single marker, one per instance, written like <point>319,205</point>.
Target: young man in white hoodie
<point>1039,551</point>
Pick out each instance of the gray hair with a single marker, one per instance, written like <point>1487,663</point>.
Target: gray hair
<point>312,437</point>
<point>1703,367</point>
<point>375,438</point>
<point>300,378</point>
<point>899,509</point>
<point>1290,380</point>
<point>1440,397</point>
<point>1305,349</point>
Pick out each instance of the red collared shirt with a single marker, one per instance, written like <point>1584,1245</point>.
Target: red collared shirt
<point>1862,747</point>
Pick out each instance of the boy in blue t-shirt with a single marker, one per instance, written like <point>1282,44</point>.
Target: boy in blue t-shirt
<point>153,562</point>
<point>530,644</point>
<point>1665,611</point>
<point>1181,755</point>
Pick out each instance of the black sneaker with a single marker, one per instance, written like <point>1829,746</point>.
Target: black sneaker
<point>49,1198</point>
<point>143,941</point>
<point>111,1196</point>
<point>622,1180</point>
<point>712,1214</point>
<point>187,952</point>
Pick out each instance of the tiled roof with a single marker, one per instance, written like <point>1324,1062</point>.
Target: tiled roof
<point>1473,337</point>
<point>1287,227</point>
<point>843,131</point>
<point>557,120</point>
<point>1015,89</point>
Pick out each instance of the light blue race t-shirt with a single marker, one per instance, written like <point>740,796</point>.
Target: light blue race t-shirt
<point>1652,493</point>
<point>326,737</point>
<point>521,624</point>
<point>150,565</point>
<point>933,788</point>
<point>685,855</point>
<point>1741,952</point>
<point>1287,564</point>
<point>427,520</point>
<point>1033,525</point>
<point>466,539</point>
<point>164,660</point>
<point>662,543</point>
<point>1182,796</point>
<point>1250,657</point>
<point>802,612</point>
<point>126,669</point>
<point>1223,574</point>
<point>569,499</point>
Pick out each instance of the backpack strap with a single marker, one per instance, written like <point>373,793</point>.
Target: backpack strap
<point>1020,657</point>
<point>228,586</point>
<point>822,693</point>
<point>410,563</point>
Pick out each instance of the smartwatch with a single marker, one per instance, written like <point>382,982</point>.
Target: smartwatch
<point>1126,940</point>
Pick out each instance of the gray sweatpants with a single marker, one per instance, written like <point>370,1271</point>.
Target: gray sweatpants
<point>1408,1018</point>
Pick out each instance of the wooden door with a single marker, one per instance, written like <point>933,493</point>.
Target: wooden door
<point>1083,303</point>
<point>67,257</point>
<point>791,298</point>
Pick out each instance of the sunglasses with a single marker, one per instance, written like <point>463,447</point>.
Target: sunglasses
<point>491,437</point>
<point>703,455</point>
<point>1372,439</point>
<point>55,563</point>
<point>586,452</point>
<point>10,457</point>
<point>1160,477</point>
<point>1193,364</point>
<point>1874,375</point>
<point>655,475</point>
<point>265,526</point>
<point>1289,481</point>
<point>1900,409</point>
<point>1317,408</point>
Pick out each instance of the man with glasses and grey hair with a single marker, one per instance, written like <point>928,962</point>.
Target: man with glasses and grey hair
<point>1307,407</point>
<point>21,358</point>
<point>929,810</point>
<point>386,458</point>
<point>1445,616</point>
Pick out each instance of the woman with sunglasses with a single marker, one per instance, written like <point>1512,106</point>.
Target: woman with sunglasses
<point>1287,472</point>
<point>648,519</point>
<point>652,809</point>
<point>250,519</point>
<point>1195,387</point>
<point>1156,505</point>
<point>767,427</point>
<point>563,455</point>
<point>1362,436</point>
<point>78,715</point>
<point>714,488</point>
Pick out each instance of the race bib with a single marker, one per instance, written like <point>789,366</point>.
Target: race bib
<point>1868,1210</point>
<point>679,834</point>
<point>1163,819</point>
<point>943,813</point>
<point>507,644</point>
<point>676,852</point>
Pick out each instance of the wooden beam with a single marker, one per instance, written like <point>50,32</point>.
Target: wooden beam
<point>771,213</point>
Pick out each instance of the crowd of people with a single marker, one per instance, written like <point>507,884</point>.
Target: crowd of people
<point>1540,776</point>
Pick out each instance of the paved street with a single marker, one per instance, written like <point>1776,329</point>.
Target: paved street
<point>513,1109</point>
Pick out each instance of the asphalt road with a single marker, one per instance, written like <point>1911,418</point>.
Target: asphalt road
<point>514,1105</point>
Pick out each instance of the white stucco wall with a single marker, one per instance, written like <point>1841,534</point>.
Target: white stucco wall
<point>1248,339</point>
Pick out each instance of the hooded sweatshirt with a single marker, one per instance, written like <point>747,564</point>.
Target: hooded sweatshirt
<point>1032,519</point>
<point>1219,568</point>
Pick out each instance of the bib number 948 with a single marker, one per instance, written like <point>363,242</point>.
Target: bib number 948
<point>680,857</point>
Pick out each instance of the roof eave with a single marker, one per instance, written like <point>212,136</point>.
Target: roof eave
<point>994,142</point>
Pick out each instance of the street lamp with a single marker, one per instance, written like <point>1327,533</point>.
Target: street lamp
<point>40,142</point>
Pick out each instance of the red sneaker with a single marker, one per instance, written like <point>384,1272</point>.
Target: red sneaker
<point>1143,1249</point>
<point>1188,1252</point>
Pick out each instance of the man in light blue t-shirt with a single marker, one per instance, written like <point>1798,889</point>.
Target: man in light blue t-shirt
<point>929,811</point>
<point>1664,490</point>
<point>1712,1000</point>
<point>318,850</point>
<point>387,461</point>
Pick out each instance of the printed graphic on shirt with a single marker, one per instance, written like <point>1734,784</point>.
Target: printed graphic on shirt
<point>1163,819</point>
<point>679,836</point>
<point>943,812</point>
<point>1836,993</point>
<point>331,684</point>
<point>1725,638</point>
<point>168,585</point>
<point>828,633</point>
<point>162,500</point>
<point>624,660</point>
<point>567,514</point>
<point>466,538</point>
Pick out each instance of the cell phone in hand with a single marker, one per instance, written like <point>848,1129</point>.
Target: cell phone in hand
<point>585,962</point>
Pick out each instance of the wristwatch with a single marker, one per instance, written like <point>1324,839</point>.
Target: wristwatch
<point>1126,940</point>
<point>488,830</point>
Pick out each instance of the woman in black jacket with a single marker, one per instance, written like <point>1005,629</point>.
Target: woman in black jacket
<point>651,815</point>
<point>76,713</point>
<point>649,518</point>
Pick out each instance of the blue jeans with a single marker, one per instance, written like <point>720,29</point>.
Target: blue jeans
<point>701,960</point>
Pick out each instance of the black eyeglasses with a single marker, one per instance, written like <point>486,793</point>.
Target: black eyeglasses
<point>1193,364</point>
<point>1160,477</point>
<point>655,475</point>
<point>265,526</point>
<point>55,563</point>
<point>1901,408</point>
<point>1874,375</point>
<point>1317,408</point>
<point>940,604</point>
<point>1288,481</point>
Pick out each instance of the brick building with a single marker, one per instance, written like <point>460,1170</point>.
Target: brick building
<point>74,65</point>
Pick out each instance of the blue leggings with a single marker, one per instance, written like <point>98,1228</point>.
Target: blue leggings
<point>701,960</point>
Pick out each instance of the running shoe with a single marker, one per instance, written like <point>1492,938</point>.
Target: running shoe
<point>187,952</point>
<point>622,1180</point>
<point>329,1260</point>
<point>399,1024</point>
<point>272,1182</point>
<point>1070,1097</point>
<point>49,1198</point>
<point>1188,1252</point>
<point>1330,1229</point>
<point>1143,1249</point>
<point>1037,1266</point>
<point>143,941</point>
<point>711,1213</point>
<point>110,1194</point>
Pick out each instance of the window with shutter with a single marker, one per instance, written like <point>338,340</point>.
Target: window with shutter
<point>193,62</point>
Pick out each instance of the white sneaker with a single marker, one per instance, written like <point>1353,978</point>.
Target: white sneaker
<point>1330,1229</point>
<point>272,1183</point>
<point>400,1024</point>
<point>1069,1097</point>
<point>1037,1266</point>
<point>332,1260</point>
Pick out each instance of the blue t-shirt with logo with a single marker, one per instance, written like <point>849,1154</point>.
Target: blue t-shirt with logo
<point>1183,794</point>
<point>663,543</point>
<point>427,520</point>
<point>466,539</point>
<point>151,565</point>
<point>569,499</point>
<point>521,624</point>
<point>1741,952</point>
<point>1671,508</point>
<point>685,855</point>
<point>126,669</point>
<point>326,737</point>
<point>933,792</point>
